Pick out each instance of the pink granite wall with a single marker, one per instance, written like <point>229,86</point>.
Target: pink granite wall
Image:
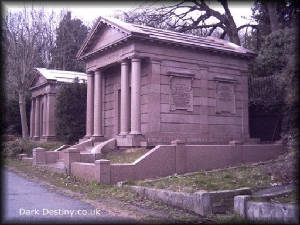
<point>83,170</point>
<point>51,156</point>
<point>165,160</point>
<point>205,157</point>
<point>204,123</point>
<point>252,153</point>
<point>158,162</point>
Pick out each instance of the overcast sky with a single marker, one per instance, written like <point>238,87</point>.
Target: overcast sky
<point>89,11</point>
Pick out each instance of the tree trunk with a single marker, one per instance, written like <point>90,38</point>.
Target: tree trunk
<point>22,106</point>
<point>273,16</point>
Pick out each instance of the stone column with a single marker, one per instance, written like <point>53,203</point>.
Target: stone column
<point>124,99</point>
<point>98,104</point>
<point>44,114</point>
<point>90,105</point>
<point>50,115</point>
<point>135,96</point>
<point>32,117</point>
<point>37,119</point>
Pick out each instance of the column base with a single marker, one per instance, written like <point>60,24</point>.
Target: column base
<point>135,133</point>
<point>48,138</point>
<point>131,140</point>
<point>123,134</point>
<point>36,138</point>
<point>98,138</point>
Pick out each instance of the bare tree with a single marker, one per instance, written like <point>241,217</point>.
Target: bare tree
<point>26,45</point>
<point>191,16</point>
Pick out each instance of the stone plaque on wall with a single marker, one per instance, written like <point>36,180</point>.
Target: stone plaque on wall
<point>225,97</point>
<point>181,93</point>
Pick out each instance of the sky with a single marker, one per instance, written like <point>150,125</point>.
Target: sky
<point>89,11</point>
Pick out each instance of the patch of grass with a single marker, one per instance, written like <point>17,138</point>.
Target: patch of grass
<point>92,189</point>
<point>227,179</point>
<point>126,156</point>
<point>230,219</point>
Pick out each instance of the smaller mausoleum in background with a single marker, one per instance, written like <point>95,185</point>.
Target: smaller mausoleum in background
<point>43,100</point>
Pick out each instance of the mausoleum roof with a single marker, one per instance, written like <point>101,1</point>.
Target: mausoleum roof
<point>150,33</point>
<point>62,75</point>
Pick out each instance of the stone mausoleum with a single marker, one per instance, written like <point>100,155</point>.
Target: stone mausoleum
<point>183,96</point>
<point>149,86</point>
<point>43,100</point>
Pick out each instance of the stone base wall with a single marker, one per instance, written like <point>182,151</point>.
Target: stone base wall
<point>161,161</point>
<point>83,170</point>
<point>165,160</point>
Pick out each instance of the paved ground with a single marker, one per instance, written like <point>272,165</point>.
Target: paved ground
<point>26,201</point>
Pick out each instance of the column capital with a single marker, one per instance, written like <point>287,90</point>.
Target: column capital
<point>135,56</point>
<point>136,59</point>
<point>124,61</point>
<point>98,71</point>
<point>90,73</point>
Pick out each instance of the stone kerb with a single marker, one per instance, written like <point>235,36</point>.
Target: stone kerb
<point>39,156</point>
<point>102,171</point>
<point>265,211</point>
<point>204,203</point>
<point>71,155</point>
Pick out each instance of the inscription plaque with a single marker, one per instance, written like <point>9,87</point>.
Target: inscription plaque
<point>181,93</point>
<point>225,98</point>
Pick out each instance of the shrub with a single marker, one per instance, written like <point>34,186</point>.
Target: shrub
<point>71,112</point>
<point>20,146</point>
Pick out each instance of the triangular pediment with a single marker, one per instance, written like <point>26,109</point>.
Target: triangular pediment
<point>38,80</point>
<point>104,37</point>
<point>103,34</point>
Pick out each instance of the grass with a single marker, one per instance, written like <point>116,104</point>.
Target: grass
<point>227,179</point>
<point>92,189</point>
<point>230,219</point>
<point>126,156</point>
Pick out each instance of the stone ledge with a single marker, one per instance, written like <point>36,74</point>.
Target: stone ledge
<point>203,203</point>
<point>266,211</point>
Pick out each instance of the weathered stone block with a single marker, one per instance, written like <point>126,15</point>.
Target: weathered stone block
<point>202,203</point>
<point>240,204</point>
